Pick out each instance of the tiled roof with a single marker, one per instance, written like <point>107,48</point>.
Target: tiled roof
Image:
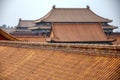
<point>26,23</point>
<point>32,38</point>
<point>23,33</point>
<point>72,15</point>
<point>5,36</point>
<point>109,27</point>
<point>36,64</point>
<point>91,32</point>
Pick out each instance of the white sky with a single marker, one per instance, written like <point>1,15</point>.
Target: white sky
<point>12,10</point>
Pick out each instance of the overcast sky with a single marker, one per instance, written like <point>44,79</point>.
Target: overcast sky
<point>12,10</point>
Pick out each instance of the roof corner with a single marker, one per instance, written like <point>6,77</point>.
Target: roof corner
<point>88,7</point>
<point>53,7</point>
<point>20,19</point>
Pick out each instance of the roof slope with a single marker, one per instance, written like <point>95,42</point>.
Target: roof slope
<point>78,32</point>
<point>36,64</point>
<point>72,15</point>
<point>26,23</point>
<point>6,36</point>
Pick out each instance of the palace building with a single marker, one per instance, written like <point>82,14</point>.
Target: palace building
<point>75,24</point>
<point>75,15</point>
<point>62,15</point>
<point>22,28</point>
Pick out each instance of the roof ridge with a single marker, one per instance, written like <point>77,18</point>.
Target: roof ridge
<point>52,10</point>
<point>42,18</point>
<point>47,17</point>
<point>27,20</point>
<point>71,8</point>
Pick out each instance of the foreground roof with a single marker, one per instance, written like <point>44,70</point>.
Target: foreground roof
<point>5,36</point>
<point>36,64</point>
<point>91,32</point>
<point>72,15</point>
<point>26,23</point>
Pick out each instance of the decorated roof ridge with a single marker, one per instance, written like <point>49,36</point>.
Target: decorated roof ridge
<point>51,11</point>
<point>88,10</point>
<point>27,20</point>
<point>70,8</point>
<point>20,19</point>
<point>87,7</point>
<point>26,23</point>
<point>24,20</point>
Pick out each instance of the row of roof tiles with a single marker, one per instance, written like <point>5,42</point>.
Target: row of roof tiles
<point>36,64</point>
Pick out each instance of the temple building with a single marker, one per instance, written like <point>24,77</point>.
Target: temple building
<point>75,15</point>
<point>72,16</point>
<point>22,29</point>
<point>23,25</point>
<point>80,25</point>
<point>30,28</point>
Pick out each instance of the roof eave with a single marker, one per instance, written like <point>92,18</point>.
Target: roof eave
<point>104,41</point>
<point>44,17</point>
<point>107,41</point>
